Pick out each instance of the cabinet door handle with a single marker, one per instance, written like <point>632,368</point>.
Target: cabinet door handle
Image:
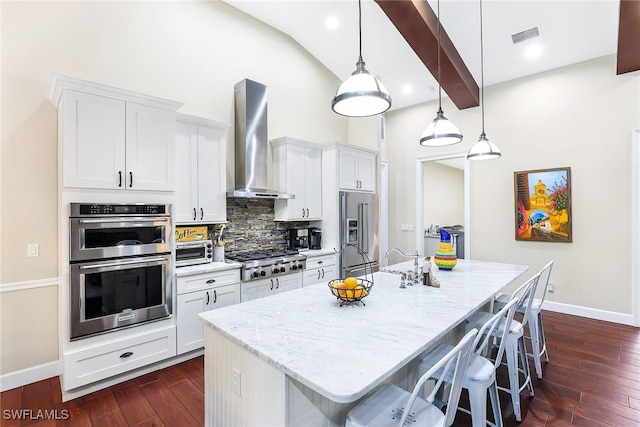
<point>307,212</point>
<point>194,214</point>
<point>208,298</point>
<point>201,214</point>
<point>211,281</point>
<point>130,179</point>
<point>119,178</point>
<point>302,212</point>
<point>215,296</point>
<point>271,285</point>
<point>277,283</point>
<point>323,273</point>
<point>318,274</point>
<point>127,354</point>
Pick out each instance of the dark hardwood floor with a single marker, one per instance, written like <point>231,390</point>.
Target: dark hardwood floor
<point>592,379</point>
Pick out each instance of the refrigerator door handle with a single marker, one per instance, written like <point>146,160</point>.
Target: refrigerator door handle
<point>360,226</point>
<point>365,227</point>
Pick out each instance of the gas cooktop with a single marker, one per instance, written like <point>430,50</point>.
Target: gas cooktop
<point>260,254</point>
<point>265,263</point>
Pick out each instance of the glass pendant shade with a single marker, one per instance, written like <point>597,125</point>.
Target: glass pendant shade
<point>361,95</point>
<point>440,132</point>
<point>483,149</point>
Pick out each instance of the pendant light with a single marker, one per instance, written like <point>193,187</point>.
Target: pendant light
<point>441,131</point>
<point>483,149</point>
<point>362,94</point>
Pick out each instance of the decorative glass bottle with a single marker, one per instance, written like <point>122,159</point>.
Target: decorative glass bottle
<point>445,257</point>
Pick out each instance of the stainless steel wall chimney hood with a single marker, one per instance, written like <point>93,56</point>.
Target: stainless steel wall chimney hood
<point>251,143</point>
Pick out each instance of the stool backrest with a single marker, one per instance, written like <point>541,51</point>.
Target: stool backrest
<point>458,359</point>
<point>545,276</point>
<point>498,324</point>
<point>524,295</point>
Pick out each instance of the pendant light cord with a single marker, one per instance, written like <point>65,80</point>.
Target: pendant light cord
<point>481,68</point>
<point>360,28</point>
<point>439,75</point>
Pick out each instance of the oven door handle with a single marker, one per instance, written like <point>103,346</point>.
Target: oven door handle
<point>120,219</point>
<point>123,262</point>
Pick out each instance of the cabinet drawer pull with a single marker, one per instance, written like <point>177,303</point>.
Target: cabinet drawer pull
<point>320,262</point>
<point>130,179</point>
<point>119,178</point>
<point>211,281</point>
<point>125,355</point>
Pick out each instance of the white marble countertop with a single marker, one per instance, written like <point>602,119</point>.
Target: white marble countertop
<point>318,252</point>
<point>343,352</point>
<point>206,268</point>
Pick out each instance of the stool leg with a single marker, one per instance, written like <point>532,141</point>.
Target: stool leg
<point>525,367</point>
<point>535,340</point>
<point>542,338</point>
<point>495,404</point>
<point>512,366</point>
<point>478,402</point>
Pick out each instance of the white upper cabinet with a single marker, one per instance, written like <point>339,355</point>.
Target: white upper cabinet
<point>200,158</point>
<point>297,170</point>
<point>114,139</point>
<point>357,169</point>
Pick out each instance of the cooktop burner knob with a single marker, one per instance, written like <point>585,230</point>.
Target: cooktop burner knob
<point>300,266</point>
<point>276,270</point>
<point>294,267</point>
<point>282,269</point>
<point>254,274</point>
<point>263,273</point>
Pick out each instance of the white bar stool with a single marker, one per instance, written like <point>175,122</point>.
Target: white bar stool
<point>390,405</point>
<point>536,330</point>
<point>515,343</point>
<point>481,373</point>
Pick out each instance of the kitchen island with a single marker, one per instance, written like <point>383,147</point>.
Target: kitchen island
<point>300,358</point>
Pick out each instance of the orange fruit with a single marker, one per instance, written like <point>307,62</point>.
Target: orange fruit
<point>359,292</point>
<point>351,282</point>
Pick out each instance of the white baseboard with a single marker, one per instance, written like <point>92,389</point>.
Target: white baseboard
<point>30,375</point>
<point>591,313</point>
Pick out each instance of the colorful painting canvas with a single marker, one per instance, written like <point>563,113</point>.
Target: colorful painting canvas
<point>543,205</point>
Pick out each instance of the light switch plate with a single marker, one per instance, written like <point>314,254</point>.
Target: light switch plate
<point>237,382</point>
<point>32,249</point>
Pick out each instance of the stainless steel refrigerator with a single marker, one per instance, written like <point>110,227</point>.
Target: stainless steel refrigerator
<point>359,243</point>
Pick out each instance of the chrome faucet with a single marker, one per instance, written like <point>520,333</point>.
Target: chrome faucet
<point>415,257</point>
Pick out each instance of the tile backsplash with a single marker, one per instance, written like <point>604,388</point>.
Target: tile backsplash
<point>251,225</point>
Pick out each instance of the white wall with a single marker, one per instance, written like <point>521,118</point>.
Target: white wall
<point>443,197</point>
<point>579,116</point>
<point>191,52</point>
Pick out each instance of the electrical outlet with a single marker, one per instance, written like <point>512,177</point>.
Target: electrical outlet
<point>32,249</point>
<point>237,382</point>
<point>550,287</point>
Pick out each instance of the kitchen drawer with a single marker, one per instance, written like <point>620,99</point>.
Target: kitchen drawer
<point>321,261</point>
<point>207,281</point>
<point>115,357</point>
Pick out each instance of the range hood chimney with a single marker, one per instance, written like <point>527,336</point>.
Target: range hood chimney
<point>251,143</point>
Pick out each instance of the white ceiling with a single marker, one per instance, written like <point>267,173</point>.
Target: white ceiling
<point>571,31</point>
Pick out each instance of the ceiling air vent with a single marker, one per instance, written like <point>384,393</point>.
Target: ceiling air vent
<point>525,35</point>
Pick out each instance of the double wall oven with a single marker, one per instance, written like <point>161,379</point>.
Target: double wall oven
<point>120,266</point>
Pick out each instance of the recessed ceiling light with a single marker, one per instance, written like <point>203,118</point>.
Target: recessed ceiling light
<point>406,89</point>
<point>331,23</point>
<point>533,51</point>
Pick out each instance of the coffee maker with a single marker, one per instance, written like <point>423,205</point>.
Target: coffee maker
<point>315,238</point>
<point>299,239</point>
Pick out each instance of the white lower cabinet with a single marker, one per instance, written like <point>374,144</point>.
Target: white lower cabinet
<point>320,269</point>
<point>200,293</point>
<point>266,287</point>
<point>113,357</point>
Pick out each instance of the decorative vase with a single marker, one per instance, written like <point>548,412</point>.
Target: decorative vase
<point>445,257</point>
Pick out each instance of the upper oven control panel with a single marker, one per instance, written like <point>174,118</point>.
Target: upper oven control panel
<point>92,209</point>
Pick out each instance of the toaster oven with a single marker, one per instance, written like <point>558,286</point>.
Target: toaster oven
<point>193,253</point>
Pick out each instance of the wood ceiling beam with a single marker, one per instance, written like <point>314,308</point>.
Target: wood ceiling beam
<point>629,37</point>
<point>418,24</point>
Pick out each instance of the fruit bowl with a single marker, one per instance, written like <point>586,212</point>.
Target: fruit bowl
<point>350,289</point>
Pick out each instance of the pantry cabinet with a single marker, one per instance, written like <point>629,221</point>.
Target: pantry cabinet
<point>200,293</point>
<point>114,139</point>
<point>297,170</point>
<point>357,169</point>
<point>200,159</point>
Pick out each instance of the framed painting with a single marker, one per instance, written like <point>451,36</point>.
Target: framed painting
<point>543,205</point>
